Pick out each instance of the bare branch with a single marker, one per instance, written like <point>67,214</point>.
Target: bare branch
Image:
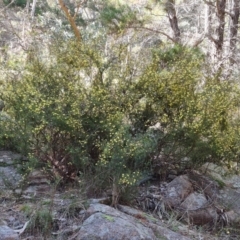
<point>209,3</point>
<point>156,31</point>
<point>7,6</point>
<point>71,20</point>
<point>210,37</point>
<point>198,40</point>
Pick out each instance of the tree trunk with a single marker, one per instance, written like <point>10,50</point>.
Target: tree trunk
<point>208,20</point>
<point>172,16</point>
<point>71,20</point>
<point>216,12</point>
<point>234,29</point>
<point>28,6</point>
<point>220,10</point>
<point>33,8</point>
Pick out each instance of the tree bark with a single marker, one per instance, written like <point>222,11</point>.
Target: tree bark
<point>173,20</point>
<point>208,19</point>
<point>220,11</point>
<point>71,20</point>
<point>234,29</point>
<point>33,8</point>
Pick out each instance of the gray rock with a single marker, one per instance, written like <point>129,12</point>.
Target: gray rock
<point>222,174</point>
<point>7,233</point>
<point>177,190</point>
<point>106,223</point>
<point>202,216</point>
<point>194,201</point>
<point>38,184</point>
<point>209,187</point>
<point>7,158</point>
<point>38,190</point>
<point>232,217</point>
<point>37,177</point>
<point>159,228</point>
<point>9,178</point>
<point>197,210</point>
<point>229,199</point>
<point>165,233</point>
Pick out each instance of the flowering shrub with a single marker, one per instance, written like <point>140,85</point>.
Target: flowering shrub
<point>73,118</point>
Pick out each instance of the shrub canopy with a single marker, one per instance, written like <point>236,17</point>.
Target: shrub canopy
<point>75,116</point>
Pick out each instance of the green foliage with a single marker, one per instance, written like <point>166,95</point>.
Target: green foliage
<point>76,114</point>
<point>117,17</point>
<point>126,155</point>
<point>41,222</point>
<point>27,210</point>
<point>50,104</point>
<point>169,55</point>
<point>108,218</point>
<point>40,8</point>
<point>19,3</point>
<point>194,112</point>
<point>66,124</point>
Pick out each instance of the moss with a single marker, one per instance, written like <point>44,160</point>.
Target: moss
<point>220,183</point>
<point>109,218</point>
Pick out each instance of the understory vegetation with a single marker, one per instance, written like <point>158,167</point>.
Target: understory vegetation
<point>75,116</point>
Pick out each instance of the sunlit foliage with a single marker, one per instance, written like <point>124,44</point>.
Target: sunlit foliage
<point>75,115</point>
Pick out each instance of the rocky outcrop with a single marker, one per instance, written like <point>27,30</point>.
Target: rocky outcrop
<point>177,190</point>
<point>106,223</point>
<point>194,198</point>
<point>229,190</point>
<point>197,210</point>
<point>36,183</point>
<point>9,177</point>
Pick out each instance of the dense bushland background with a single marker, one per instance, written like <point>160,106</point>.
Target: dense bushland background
<point>82,109</point>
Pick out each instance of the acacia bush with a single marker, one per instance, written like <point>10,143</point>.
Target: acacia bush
<point>195,112</point>
<point>69,116</point>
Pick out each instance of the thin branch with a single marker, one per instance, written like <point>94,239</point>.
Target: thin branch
<point>209,3</point>
<point>230,14</point>
<point>15,33</point>
<point>71,20</point>
<point>20,231</point>
<point>212,38</point>
<point>76,12</point>
<point>212,5</point>
<point>198,40</point>
<point>156,31</point>
<point>7,6</point>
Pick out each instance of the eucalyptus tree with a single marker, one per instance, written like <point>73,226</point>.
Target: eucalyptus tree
<point>211,25</point>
